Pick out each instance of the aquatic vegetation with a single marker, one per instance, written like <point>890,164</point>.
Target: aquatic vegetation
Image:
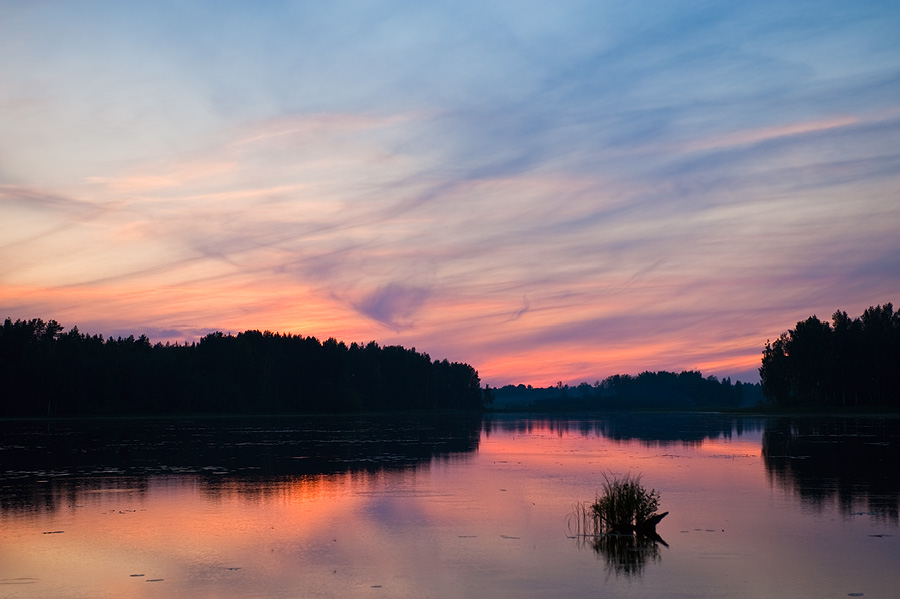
<point>620,524</point>
<point>624,506</point>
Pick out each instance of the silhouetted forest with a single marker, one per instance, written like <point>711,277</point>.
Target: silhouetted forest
<point>46,371</point>
<point>845,363</point>
<point>648,390</point>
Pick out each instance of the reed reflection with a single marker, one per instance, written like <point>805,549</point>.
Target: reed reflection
<point>625,554</point>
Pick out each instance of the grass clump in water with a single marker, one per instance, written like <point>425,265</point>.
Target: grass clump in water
<point>620,524</point>
<point>625,506</point>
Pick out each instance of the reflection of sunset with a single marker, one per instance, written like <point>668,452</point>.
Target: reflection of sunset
<point>491,518</point>
<point>112,535</point>
<point>732,447</point>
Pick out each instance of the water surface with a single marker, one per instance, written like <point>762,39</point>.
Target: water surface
<point>448,506</point>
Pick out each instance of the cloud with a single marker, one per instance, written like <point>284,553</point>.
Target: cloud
<point>394,305</point>
<point>521,311</point>
<point>181,175</point>
<point>49,203</point>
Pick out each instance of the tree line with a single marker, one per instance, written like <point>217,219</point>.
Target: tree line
<point>45,370</point>
<point>647,390</point>
<point>844,363</point>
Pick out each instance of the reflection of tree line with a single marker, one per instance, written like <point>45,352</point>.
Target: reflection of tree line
<point>850,461</point>
<point>648,428</point>
<point>47,465</point>
<point>54,494</point>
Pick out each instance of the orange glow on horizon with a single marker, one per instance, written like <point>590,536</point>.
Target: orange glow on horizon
<point>745,362</point>
<point>300,310</point>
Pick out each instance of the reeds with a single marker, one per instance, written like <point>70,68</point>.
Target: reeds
<point>620,524</point>
<point>623,507</point>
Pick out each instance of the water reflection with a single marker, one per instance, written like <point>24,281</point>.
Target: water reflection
<point>452,506</point>
<point>848,461</point>
<point>651,429</point>
<point>625,554</point>
<point>47,465</point>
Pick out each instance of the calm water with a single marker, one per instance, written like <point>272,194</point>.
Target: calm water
<point>445,507</point>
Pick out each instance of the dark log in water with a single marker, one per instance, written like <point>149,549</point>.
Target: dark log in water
<point>649,525</point>
<point>647,528</point>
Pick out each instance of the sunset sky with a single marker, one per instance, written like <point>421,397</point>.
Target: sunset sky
<point>545,190</point>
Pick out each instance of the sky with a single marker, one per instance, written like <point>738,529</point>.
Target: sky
<point>547,191</point>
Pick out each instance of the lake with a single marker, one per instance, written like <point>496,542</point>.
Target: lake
<point>449,506</point>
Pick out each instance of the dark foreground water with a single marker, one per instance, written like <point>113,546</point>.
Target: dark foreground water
<point>452,506</point>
